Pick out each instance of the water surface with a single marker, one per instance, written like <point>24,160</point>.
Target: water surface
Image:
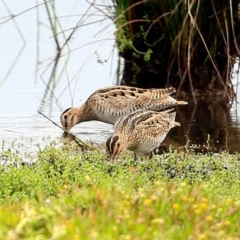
<point>27,51</point>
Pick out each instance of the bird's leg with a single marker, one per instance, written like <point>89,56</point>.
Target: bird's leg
<point>135,156</point>
<point>151,155</point>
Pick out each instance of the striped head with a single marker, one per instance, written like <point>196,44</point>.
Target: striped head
<point>115,146</point>
<point>69,118</point>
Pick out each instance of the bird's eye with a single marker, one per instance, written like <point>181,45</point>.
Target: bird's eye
<point>65,116</point>
<point>118,144</point>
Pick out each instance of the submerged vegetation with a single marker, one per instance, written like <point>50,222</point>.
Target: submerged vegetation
<point>67,194</point>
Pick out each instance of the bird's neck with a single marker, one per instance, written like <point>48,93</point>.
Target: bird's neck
<point>84,113</point>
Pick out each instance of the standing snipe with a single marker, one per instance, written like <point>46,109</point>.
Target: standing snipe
<point>110,103</point>
<point>140,132</point>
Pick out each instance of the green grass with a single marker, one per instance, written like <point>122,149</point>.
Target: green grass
<point>67,194</point>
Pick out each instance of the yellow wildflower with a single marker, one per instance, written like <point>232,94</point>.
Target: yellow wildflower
<point>195,206</point>
<point>185,199</point>
<point>219,226</point>
<point>229,201</point>
<point>209,218</point>
<point>203,206</point>
<point>158,220</point>
<point>128,237</point>
<point>227,223</point>
<point>87,178</point>
<point>126,203</point>
<point>197,211</point>
<point>202,237</point>
<point>204,200</point>
<point>175,207</point>
<point>94,235</point>
<point>147,202</point>
<point>213,206</point>
<point>76,237</point>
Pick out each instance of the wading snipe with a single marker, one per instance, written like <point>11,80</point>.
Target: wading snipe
<point>110,103</point>
<point>140,132</point>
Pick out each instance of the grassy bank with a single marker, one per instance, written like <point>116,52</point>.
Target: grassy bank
<point>68,194</point>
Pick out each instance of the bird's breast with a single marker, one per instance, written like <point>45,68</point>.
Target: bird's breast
<point>107,118</point>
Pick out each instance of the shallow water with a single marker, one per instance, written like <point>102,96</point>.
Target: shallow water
<point>25,71</point>
<point>26,66</point>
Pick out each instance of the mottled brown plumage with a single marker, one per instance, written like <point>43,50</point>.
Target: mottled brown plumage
<point>110,103</point>
<point>140,132</point>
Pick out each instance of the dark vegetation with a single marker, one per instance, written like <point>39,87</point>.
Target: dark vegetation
<point>191,45</point>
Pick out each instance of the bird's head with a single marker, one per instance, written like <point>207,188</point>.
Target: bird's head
<point>69,118</point>
<point>115,146</point>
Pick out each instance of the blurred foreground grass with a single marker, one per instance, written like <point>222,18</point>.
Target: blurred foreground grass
<point>67,194</point>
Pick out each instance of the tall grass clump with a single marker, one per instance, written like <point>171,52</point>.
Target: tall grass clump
<point>67,194</point>
<point>189,44</point>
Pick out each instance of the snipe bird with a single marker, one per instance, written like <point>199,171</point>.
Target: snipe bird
<point>110,103</point>
<point>140,132</point>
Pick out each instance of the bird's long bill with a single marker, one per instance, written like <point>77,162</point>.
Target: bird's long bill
<point>177,124</point>
<point>111,159</point>
<point>182,103</point>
